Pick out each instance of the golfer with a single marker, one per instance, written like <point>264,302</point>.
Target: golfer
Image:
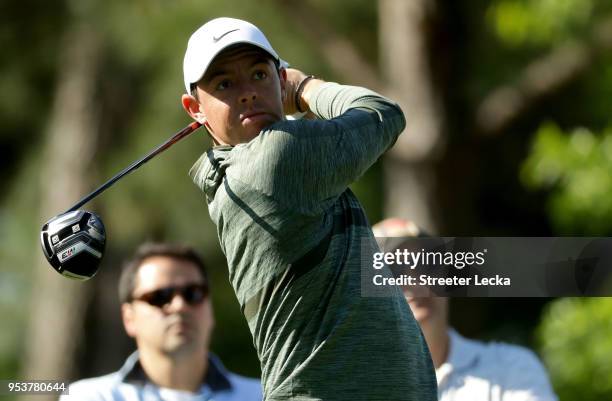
<point>290,228</point>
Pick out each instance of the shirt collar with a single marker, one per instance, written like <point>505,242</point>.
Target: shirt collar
<point>209,170</point>
<point>216,378</point>
<point>463,352</point>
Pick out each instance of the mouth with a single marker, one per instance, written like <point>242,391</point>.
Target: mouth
<point>180,324</point>
<point>181,328</point>
<point>252,116</point>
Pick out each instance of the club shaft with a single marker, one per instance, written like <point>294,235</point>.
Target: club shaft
<point>171,141</point>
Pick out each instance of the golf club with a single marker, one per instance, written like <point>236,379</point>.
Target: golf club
<point>73,242</point>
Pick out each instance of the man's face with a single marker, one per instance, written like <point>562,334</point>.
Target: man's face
<point>177,327</point>
<point>240,94</point>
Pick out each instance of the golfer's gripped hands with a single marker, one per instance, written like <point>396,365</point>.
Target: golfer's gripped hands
<point>294,77</point>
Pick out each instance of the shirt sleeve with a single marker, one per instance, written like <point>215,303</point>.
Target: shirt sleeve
<point>309,163</point>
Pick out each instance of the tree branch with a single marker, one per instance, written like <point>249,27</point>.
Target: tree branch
<point>338,51</point>
<point>540,79</point>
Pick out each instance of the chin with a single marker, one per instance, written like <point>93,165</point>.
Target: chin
<point>180,347</point>
<point>252,130</point>
<point>421,312</point>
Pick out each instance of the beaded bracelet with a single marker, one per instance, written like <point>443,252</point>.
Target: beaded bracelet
<point>299,90</point>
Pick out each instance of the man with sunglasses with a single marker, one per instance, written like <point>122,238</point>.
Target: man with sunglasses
<point>166,308</point>
<point>295,237</point>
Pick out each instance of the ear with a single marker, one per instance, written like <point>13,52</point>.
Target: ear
<point>192,107</point>
<point>127,315</point>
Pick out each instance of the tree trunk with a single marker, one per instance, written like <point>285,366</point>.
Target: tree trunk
<point>58,305</point>
<point>404,28</point>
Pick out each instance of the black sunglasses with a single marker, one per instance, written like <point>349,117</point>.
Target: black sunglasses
<point>193,294</point>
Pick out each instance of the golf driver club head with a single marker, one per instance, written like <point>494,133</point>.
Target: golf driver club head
<point>73,243</point>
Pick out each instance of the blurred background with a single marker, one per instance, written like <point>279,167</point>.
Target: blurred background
<point>509,134</point>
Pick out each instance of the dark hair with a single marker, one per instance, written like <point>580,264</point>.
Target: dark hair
<point>130,268</point>
<point>193,89</point>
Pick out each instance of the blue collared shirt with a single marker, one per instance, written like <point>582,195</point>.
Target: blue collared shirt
<point>131,384</point>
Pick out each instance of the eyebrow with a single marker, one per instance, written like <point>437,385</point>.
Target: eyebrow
<point>260,59</point>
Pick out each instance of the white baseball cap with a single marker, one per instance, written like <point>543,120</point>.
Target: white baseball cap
<point>214,36</point>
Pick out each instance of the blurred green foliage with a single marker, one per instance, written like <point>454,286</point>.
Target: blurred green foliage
<point>576,345</point>
<point>484,44</point>
<point>577,167</point>
<point>540,22</point>
<point>570,161</point>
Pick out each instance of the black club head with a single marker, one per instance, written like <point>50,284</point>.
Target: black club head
<point>73,243</point>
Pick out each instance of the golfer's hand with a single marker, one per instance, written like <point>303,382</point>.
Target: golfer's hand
<point>294,78</point>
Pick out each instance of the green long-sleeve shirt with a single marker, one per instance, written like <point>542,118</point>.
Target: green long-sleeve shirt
<point>294,234</point>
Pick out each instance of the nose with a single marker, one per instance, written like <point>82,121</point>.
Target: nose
<point>248,94</point>
<point>177,303</point>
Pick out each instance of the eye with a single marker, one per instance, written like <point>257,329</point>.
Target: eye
<point>223,84</point>
<point>259,75</point>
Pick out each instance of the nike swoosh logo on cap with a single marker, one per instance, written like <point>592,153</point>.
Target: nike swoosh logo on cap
<point>218,38</point>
